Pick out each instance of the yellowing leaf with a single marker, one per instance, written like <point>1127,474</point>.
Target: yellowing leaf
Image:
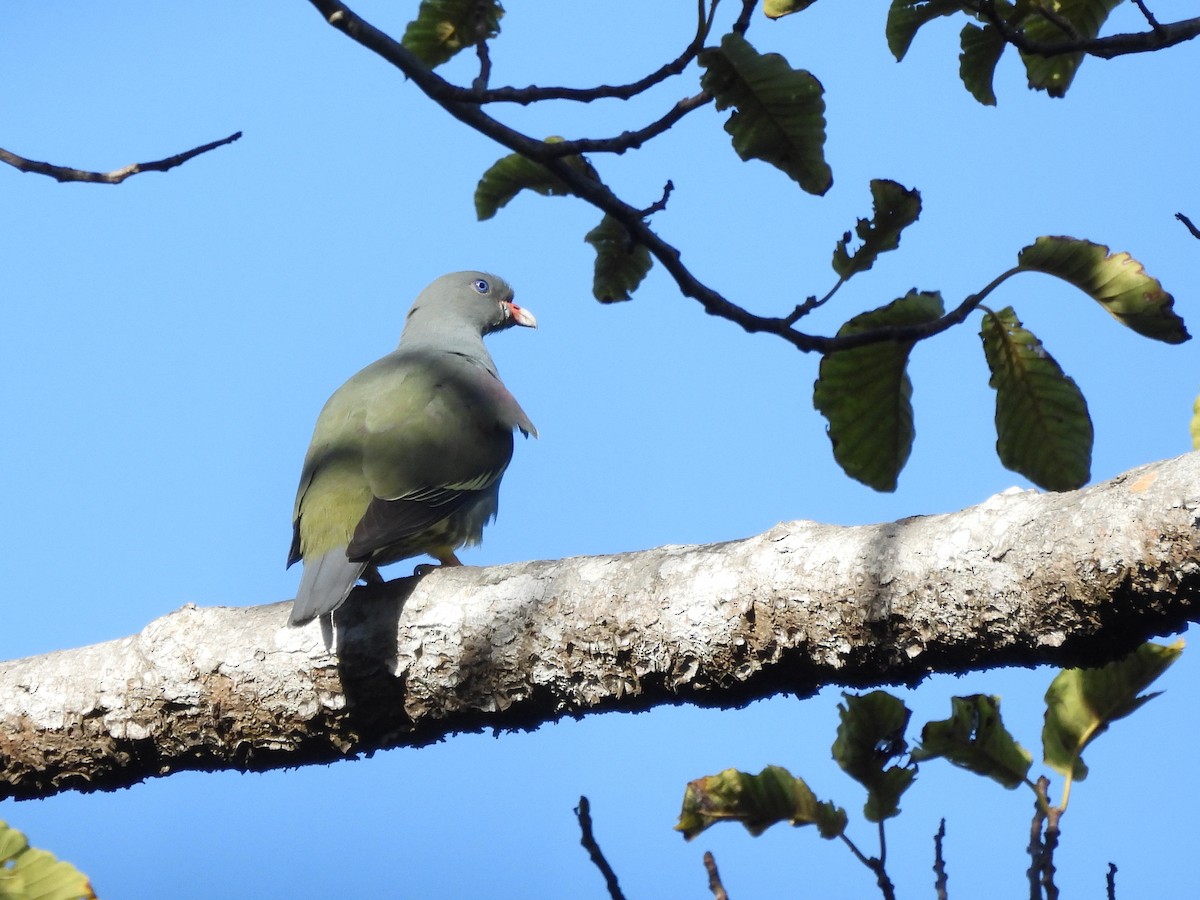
<point>444,27</point>
<point>757,801</point>
<point>1116,281</point>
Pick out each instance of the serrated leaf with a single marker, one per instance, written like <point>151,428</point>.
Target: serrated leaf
<point>444,27</point>
<point>894,208</point>
<point>1082,703</point>
<point>1043,429</point>
<point>870,736</point>
<point>37,874</point>
<point>981,49</point>
<point>780,115</point>
<point>621,263</point>
<point>1054,74</point>
<point>757,801</point>
<point>974,737</point>
<point>905,17</point>
<point>514,173</point>
<point>865,393</point>
<point>777,9</point>
<point>1116,281</point>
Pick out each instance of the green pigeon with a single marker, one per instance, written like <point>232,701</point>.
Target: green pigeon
<point>406,457</point>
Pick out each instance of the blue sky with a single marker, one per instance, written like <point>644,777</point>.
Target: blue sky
<point>169,342</point>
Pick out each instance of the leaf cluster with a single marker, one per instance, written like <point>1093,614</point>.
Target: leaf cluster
<point>872,748</point>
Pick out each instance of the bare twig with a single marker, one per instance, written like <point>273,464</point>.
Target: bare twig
<point>661,203</point>
<point>1036,848</point>
<point>939,863</point>
<point>479,85</point>
<point>584,814</point>
<point>65,173</point>
<point>875,865</point>
<point>630,140</point>
<point>1111,882</point>
<point>1188,225</point>
<point>1157,26</point>
<point>534,94</point>
<point>714,878</point>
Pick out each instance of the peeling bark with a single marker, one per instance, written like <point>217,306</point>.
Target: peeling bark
<point>1022,578</point>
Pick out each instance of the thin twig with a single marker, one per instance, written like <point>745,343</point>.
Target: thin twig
<point>584,814</point>
<point>714,878</point>
<point>1111,882</point>
<point>1188,224</point>
<point>939,863</point>
<point>534,94</point>
<point>65,173</point>
<point>875,865</point>
<point>630,140</point>
<point>661,203</point>
<point>479,85</point>
<point>1154,23</point>
<point>1035,847</point>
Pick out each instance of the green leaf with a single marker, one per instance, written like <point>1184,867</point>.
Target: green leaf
<point>1116,281</point>
<point>974,737</point>
<point>865,393</point>
<point>621,263</point>
<point>1054,74</point>
<point>871,735</point>
<point>758,802</point>
<point>777,9</point>
<point>981,49</point>
<point>512,174</point>
<point>905,17</point>
<point>1082,703</point>
<point>1195,429</point>
<point>444,27</point>
<point>1043,429</point>
<point>894,208</point>
<point>36,874</point>
<point>780,115</point>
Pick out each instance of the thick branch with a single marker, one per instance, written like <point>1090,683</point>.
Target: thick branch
<point>65,173</point>
<point>1023,578</point>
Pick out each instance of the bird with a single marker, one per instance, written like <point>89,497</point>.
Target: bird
<point>406,457</point>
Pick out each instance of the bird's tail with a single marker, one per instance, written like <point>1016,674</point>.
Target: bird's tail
<point>325,585</point>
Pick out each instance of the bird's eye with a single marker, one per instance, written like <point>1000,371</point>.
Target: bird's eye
<point>482,286</point>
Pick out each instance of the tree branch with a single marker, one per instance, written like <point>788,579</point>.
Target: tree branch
<point>1159,37</point>
<point>1023,578</point>
<point>589,188</point>
<point>65,173</point>
<point>583,812</point>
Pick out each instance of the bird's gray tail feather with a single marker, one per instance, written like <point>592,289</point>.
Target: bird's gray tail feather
<point>325,585</point>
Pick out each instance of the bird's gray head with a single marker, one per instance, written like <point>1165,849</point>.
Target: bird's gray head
<point>475,302</point>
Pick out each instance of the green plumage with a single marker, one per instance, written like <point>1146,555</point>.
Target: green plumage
<point>406,457</point>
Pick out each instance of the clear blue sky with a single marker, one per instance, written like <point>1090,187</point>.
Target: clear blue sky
<point>168,343</point>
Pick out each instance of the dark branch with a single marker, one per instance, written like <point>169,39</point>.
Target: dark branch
<point>1159,38</point>
<point>1111,882</point>
<point>65,173</point>
<point>583,812</point>
<point>714,878</point>
<point>939,863</point>
<point>1188,224</point>
<point>534,94</point>
<point>661,203</point>
<point>629,140</point>
<point>584,184</point>
<point>1156,25</point>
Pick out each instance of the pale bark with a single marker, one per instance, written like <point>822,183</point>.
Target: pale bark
<point>1021,578</point>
